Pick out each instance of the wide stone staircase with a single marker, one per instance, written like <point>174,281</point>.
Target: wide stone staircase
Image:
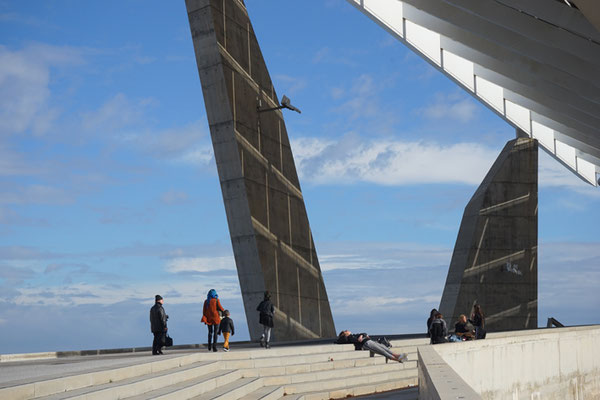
<point>320,371</point>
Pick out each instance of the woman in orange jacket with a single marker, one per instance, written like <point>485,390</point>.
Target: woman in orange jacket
<point>211,317</point>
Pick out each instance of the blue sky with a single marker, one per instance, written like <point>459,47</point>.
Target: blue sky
<point>109,192</point>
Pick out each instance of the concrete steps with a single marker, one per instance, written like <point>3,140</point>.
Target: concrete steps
<point>290,372</point>
<point>136,385</point>
<point>191,388</point>
<point>357,390</point>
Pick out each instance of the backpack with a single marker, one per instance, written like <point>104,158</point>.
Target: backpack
<point>384,341</point>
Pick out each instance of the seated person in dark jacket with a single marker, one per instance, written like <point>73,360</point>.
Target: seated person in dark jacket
<point>464,329</point>
<point>438,330</point>
<point>362,341</point>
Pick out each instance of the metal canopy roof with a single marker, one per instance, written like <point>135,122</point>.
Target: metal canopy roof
<point>535,63</point>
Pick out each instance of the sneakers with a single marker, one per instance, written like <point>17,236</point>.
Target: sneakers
<point>402,357</point>
<point>225,349</point>
<point>267,345</point>
<point>262,341</point>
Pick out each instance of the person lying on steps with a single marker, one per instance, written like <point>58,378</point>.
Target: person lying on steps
<point>362,341</point>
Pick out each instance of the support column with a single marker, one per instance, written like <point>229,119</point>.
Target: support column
<point>494,263</point>
<point>268,223</point>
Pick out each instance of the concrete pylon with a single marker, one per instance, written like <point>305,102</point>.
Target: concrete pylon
<point>494,263</point>
<point>272,241</point>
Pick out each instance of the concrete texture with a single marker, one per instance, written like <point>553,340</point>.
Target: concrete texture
<point>313,371</point>
<point>437,381</point>
<point>271,237</point>
<point>494,263</point>
<point>553,364</point>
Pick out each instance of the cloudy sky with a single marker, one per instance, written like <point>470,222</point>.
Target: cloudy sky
<point>109,192</point>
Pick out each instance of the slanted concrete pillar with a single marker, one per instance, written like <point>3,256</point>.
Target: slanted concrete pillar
<point>494,263</point>
<point>268,224</point>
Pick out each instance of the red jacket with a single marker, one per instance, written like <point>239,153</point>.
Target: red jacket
<point>210,315</point>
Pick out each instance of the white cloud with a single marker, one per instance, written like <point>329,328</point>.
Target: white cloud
<point>451,106</point>
<point>115,114</point>
<point>380,256</point>
<point>189,144</point>
<point>200,264</point>
<point>363,99</point>
<point>81,293</point>
<point>13,163</point>
<point>174,197</point>
<point>352,160</point>
<point>290,84</point>
<point>25,86</point>
<point>552,173</point>
<point>35,194</point>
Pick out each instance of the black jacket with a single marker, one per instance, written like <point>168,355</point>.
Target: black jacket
<point>459,327</point>
<point>477,320</point>
<point>266,310</point>
<point>353,338</point>
<point>429,321</point>
<point>158,318</point>
<point>226,325</point>
<point>438,331</point>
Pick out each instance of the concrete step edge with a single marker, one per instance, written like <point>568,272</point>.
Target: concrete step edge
<point>191,388</point>
<point>233,390</point>
<point>343,382</point>
<point>265,393</point>
<point>295,360</point>
<point>318,376</point>
<point>311,366</point>
<point>357,390</point>
<point>138,384</point>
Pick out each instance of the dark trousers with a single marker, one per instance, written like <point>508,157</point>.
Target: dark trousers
<point>159,341</point>
<point>212,334</point>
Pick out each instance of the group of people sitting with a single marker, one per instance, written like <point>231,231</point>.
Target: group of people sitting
<point>464,329</point>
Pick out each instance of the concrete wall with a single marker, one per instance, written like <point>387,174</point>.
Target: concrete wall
<point>270,234</point>
<point>559,363</point>
<point>494,263</point>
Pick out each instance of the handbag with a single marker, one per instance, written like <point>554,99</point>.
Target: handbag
<point>168,341</point>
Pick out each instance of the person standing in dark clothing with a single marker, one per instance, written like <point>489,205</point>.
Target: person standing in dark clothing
<point>438,330</point>
<point>266,310</point>
<point>158,325</point>
<point>430,320</point>
<point>478,321</point>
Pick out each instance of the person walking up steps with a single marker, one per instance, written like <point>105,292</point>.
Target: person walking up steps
<point>226,327</point>
<point>210,316</point>
<point>266,310</point>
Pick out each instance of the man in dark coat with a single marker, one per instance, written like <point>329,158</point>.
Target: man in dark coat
<point>158,325</point>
